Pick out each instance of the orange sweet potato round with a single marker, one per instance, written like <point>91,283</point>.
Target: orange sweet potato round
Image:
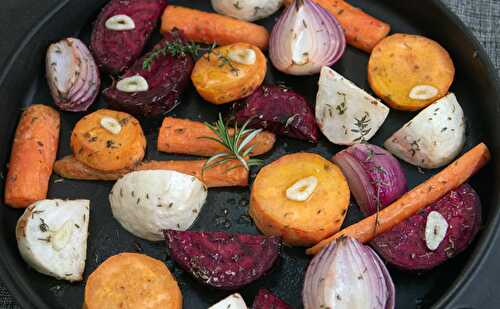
<point>401,62</point>
<point>299,223</point>
<point>103,150</point>
<point>132,280</point>
<point>219,79</point>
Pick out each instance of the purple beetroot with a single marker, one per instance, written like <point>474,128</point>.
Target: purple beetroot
<point>167,75</point>
<point>280,110</point>
<point>267,300</point>
<point>223,260</point>
<point>115,50</point>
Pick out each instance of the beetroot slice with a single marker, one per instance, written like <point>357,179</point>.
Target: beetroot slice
<point>404,245</point>
<point>223,260</point>
<point>116,50</point>
<point>167,77</point>
<point>280,110</point>
<point>267,300</point>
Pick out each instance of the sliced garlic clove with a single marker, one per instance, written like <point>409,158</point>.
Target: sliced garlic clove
<point>302,189</point>
<point>111,124</point>
<point>423,92</point>
<point>435,230</point>
<point>243,56</point>
<point>120,23</point>
<point>134,83</point>
<point>61,238</point>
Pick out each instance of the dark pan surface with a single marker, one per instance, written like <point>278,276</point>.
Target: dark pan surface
<point>23,83</point>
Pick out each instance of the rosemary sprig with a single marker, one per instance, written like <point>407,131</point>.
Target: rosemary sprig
<point>235,145</point>
<point>174,48</point>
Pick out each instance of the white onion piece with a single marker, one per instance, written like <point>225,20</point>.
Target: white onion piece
<point>306,38</point>
<point>249,10</point>
<point>347,274</point>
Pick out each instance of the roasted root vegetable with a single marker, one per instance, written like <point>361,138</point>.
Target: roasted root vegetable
<point>345,113</point>
<point>266,299</point>
<point>410,72</point>
<point>433,235</point>
<point>33,154</point>
<point>229,73</point>
<point>52,237</point>
<point>222,260</point>
<point>301,197</point>
<point>132,280</point>
<point>249,10</point>
<point>280,110</point>
<point>219,176</point>
<point>414,200</point>
<point>211,28</point>
<point>347,274</point>
<point>233,301</point>
<point>108,140</point>
<point>432,138</point>
<point>147,202</point>
<point>361,30</point>
<point>184,136</point>
<point>72,75</point>
<point>121,31</point>
<point>154,83</point>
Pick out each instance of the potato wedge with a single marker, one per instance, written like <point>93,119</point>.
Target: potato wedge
<point>306,222</point>
<point>434,137</point>
<point>108,140</point>
<point>132,280</point>
<point>410,72</point>
<point>229,73</point>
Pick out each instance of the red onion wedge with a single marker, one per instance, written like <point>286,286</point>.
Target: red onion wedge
<point>306,38</point>
<point>72,75</point>
<point>375,177</point>
<point>348,274</point>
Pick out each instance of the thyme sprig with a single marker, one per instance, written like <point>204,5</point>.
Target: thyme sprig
<point>223,60</point>
<point>174,48</point>
<point>235,144</point>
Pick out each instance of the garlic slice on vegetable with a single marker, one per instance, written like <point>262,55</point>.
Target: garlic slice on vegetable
<point>243,56</point>
<point>61,237</point>
<point>423,92</point>
<point>111,125</point>
<point>233,301</point>
<point>305,38</point>
<point>249,10</point>
<point>434,137</point>
<point>302,189</point>
<point>345,113</point>
<point>134,83</point>
<point>435,230</point>
<point>120,22</point>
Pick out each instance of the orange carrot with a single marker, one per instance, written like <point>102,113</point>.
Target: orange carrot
<point>211,28</point>
<point>185,137</point>
<point>362,30</point>
<point>419,197</point>
<point>33,154</point>
<point>218,176</point>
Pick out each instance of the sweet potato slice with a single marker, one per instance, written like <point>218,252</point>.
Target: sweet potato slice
<point>300,223</point>
<point>410,72</point>
<point>101,149</point>
<point>131,280</point>
<point>222,260</point>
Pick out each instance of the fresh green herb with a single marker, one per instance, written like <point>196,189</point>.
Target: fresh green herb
<point>414,147</point>
<point>223,61</point>
<point>174,48</point>
<point>235,145</point>
<point>341,108</point>
<point>361,127</point>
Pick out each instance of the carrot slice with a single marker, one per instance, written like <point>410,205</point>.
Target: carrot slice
<point>132,280</point>
<point>211,28</point>
<point>32,157</point>
<point>184,136</point>
<point>362,30</point>
<point>416,199</point>
<point>218,176</point>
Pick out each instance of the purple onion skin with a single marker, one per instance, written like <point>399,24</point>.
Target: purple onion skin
<point>340,267</point>
<point>280,110</point>
<point>404,245</point>
<point>382,172</point>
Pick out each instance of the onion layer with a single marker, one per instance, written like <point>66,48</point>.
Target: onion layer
<point>347,274</point>
<point>375,177</point>
<point>305,38</point>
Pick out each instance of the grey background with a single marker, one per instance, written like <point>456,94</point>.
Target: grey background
<point>17,17</point>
